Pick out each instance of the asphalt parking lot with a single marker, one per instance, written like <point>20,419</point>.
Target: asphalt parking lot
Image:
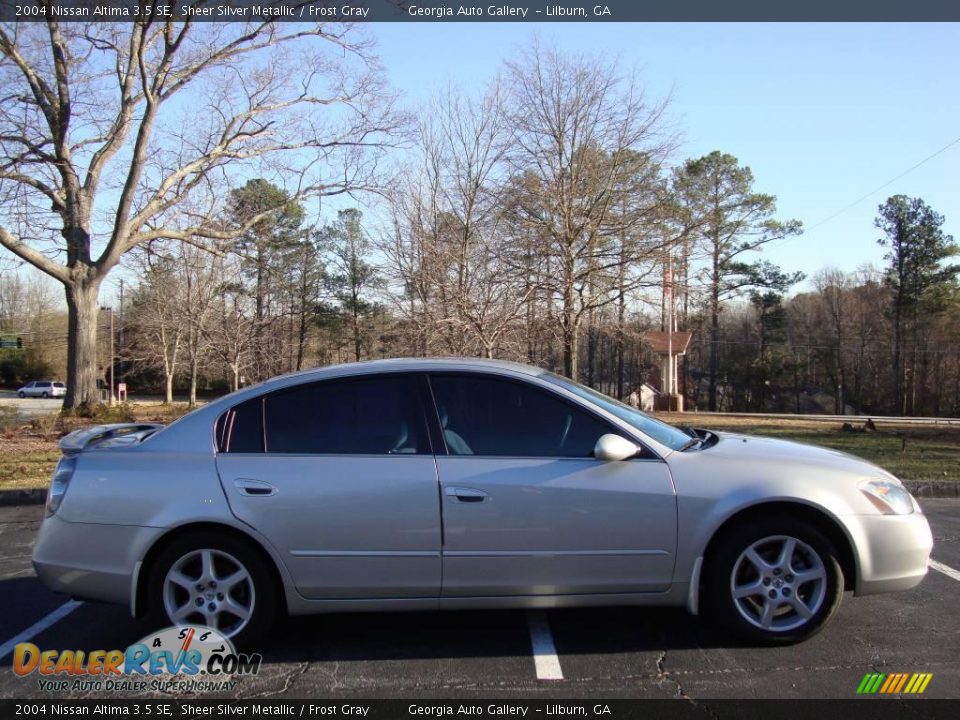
<point>625,653</point>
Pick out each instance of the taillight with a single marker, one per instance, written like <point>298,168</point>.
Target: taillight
<point>59,483</point>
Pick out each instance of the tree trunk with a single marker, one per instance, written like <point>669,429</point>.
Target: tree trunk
<point>168,392</point>
<point>571,349</point>
<point>193,382</point>
<point>714,325</point>
<point>82,311</point>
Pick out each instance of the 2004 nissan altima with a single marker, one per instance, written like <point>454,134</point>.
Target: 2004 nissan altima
<point>422,484</point>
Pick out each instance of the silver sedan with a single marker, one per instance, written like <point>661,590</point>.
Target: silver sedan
<point>443,484</point>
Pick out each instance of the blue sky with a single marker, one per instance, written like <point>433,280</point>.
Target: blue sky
<point>822,113</point>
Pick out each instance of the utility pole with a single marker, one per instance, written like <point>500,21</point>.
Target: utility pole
<point>111,354</point>
<point>123,367</point>
<point>112,359</point>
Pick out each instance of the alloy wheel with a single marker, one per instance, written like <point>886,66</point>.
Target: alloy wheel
<point>209,587</point>
<point>778,583</point>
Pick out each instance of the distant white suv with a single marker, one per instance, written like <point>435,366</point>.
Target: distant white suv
<point>43,389</point>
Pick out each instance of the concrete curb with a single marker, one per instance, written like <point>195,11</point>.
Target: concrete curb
<point>919,488</point>
<point>933,488</point>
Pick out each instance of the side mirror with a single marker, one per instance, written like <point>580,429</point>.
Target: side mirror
<point>614,447</point>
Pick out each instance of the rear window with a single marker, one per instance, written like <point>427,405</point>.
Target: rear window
<point>240,429</point>
<point>59,385</point>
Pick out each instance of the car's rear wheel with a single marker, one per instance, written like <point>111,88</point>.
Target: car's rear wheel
<point>776,580</point>
<point>45,395</point>
<point>213,580</point>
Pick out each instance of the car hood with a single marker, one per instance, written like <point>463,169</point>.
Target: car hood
<point>765,450</point>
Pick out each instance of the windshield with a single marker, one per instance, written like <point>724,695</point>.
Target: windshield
<point>659,431</point>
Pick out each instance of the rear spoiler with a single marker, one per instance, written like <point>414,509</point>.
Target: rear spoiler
<point>113,435</point>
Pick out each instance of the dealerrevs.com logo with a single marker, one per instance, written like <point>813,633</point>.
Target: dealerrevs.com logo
<point>190,658</point>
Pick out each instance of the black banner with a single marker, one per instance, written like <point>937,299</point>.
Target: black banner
<point>679,709</point>
<point>511,11</point>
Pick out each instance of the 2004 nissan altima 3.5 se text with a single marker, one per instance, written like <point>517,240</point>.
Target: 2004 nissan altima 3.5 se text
<point>444,484</point>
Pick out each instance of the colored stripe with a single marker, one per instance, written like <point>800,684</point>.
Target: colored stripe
<point>876,683</point>
<point>863,683</point>
<point>926,681</point>
<point>891,683</point>
<point>914,681</point>
<point>903,680</point>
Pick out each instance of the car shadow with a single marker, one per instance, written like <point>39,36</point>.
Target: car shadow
<point>376,635</point>
<point>492,633</point>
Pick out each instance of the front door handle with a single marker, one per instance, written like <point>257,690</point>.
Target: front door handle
<point>467,495</point>
<point>254,488</point>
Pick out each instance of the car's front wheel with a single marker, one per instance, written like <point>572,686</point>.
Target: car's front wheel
<point>21,394</point>
<point>210,579</point>
<point>776,580</point>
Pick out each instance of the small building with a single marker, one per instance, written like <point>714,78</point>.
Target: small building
<point>668,346</point>
<point>648,397</point>
<point>644,397</point>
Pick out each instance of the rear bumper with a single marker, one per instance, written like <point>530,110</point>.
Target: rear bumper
<point>91,561</point>
<point>892,551</point>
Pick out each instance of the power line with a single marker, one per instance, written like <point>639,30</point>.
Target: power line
<point>877,189</point>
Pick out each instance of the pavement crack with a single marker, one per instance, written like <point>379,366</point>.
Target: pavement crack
<point>664,675</point>
<point>288,679</point>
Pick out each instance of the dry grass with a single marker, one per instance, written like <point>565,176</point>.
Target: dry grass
<point>28,450</point>
<point>911,452</point>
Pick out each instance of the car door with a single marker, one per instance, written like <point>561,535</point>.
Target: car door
<point>339,475</point>
<point>527,509</point>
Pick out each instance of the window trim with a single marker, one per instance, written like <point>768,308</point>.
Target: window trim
<point>645,455</point>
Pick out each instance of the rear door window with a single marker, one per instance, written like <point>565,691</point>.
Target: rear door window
<point>375,415</point>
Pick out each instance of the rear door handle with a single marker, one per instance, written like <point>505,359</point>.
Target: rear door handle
<point>467,495</point>
<point>254,488</point>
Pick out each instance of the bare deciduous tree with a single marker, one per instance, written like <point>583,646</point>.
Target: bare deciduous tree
<point>96,154</point>
<point>586,139</point>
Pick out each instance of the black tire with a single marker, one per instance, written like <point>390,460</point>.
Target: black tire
<point>744,617</point>
<point>21,394</point>
<point>264,599</point>
<point>45,395</point>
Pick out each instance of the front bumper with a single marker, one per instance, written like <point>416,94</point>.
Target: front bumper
<point>892,551</point>
<point>91,561</point>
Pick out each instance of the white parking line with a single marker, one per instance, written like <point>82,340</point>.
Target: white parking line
<point>945,569</point>
<point>39,626</point>
<point>544,653</point>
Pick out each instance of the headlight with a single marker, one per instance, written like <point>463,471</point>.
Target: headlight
<point>59,483</point>
<point>888,496</point>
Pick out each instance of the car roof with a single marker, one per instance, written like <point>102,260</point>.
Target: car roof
<point>411,365</point>
<point>391,365</point>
